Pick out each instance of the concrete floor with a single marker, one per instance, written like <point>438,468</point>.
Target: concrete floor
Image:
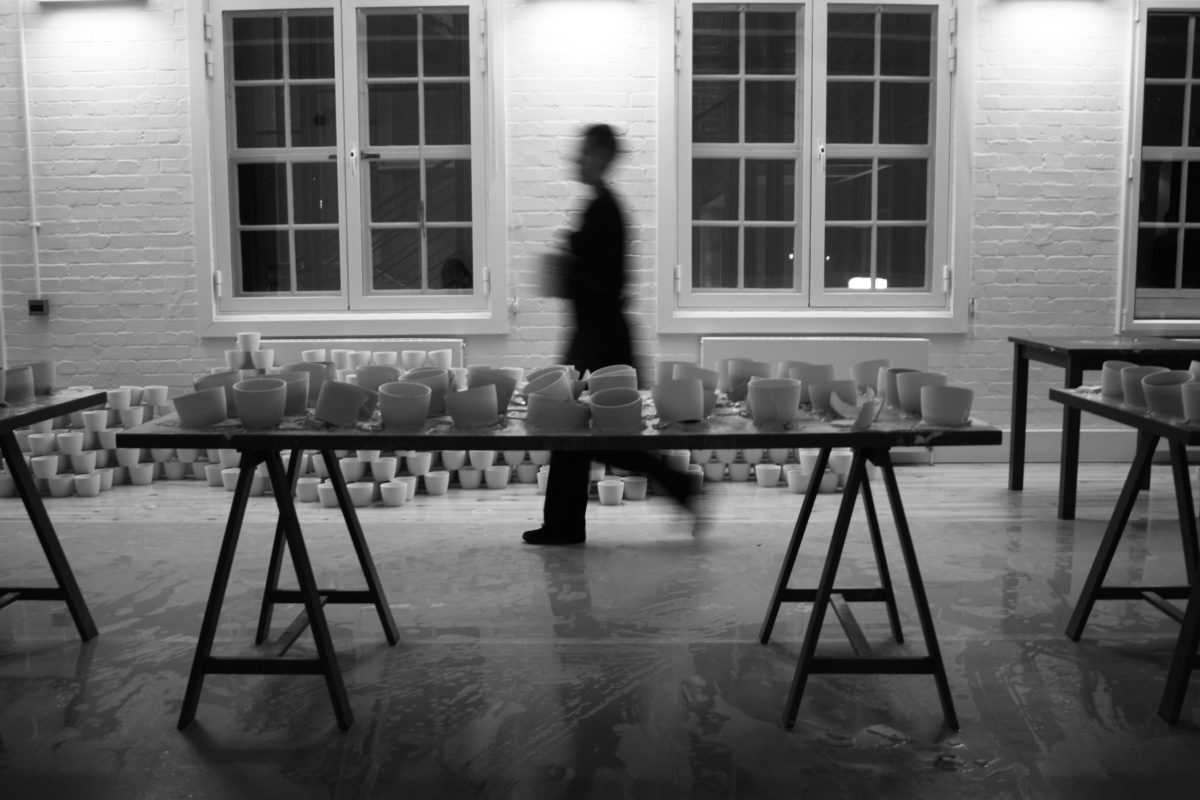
<point>628,667</point>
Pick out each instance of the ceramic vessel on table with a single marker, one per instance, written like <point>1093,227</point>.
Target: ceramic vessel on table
<point>1163,392</point>
<point>442,359</point>
<point>741,370</point>
<point>225,380</point>
<point>679,400</point>
<point>908,388</point>
<point>318,373</point>
<point>18,385</point>
<point>1110,379</point>
<point>296,394</point>
<point>372,376</point>
<point>503,382</point>
<point>474,407</point>
<point>1190,397</point>
<point>548,414</point>
<point>404,405</point>
<point>438,381</point>
<point>44,377</point>
<point>809,374</point>
<point>260,402</point>
<point>892,389</point>
<point>1131,384</point>
<point>412,359</point>
<point>866,373</point>
<point>343,404</point>
<point>617,410</point>
<point>555,385</point>
<point>201,409</point>
<point>946,405</point>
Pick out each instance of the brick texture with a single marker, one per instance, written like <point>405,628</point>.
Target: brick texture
<point>111,130</point>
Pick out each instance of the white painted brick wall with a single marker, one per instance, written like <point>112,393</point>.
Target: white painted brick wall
<point>111,127</point>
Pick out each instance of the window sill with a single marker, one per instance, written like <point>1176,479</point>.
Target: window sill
<point>327,325</point>
<point>810,321</point>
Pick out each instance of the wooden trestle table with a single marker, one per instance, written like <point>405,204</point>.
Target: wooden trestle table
<point>1179,435</point>
<point>66,589</point>
<point>727,428</point>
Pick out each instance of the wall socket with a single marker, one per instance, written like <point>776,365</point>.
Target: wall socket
<point>39,307</point>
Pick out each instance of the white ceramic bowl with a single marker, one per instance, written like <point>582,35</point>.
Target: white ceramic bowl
<point>1110,379</point>
<point>809,374</point>
<point>372,376</point>
<point>544,413</point>
<point>679,400</point>
<point>361,493</point>
<point>617,410</point>
<point>1131,384</point>
<point>1190,393</point>
<point>437,482</point>
<point>555,385</point>
<point>474,407</point>
<point>741,370</point>
<point>773,401</point>
<point>610,491</point>
<point>866,373</point>
<point>946,405</point>
<point>767,475</point>
<point>201,409</point>
<point>393,494</point>
<point>1163,392</point>
<point>453,459</point>
<point>260,402</point>
<point>908,388</point>
<point>404,405</point>
<point>470,477</point>
<point>497,476</point>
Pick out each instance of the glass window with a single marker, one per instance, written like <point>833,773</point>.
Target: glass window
<point>312,221</point>
<point>1166,243</point>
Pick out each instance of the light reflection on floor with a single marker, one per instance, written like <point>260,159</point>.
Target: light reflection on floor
<point>626,668</point>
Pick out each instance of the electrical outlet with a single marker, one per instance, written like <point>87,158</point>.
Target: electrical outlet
<point>38,306</point>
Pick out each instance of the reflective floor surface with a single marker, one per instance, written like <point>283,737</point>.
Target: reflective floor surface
<point>626,668</point>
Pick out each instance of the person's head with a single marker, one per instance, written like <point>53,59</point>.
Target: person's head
<point>596,153</point>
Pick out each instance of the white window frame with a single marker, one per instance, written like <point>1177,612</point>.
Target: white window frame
<point>1127,321</point>
<point>484,310</point>
<point>944,309</point>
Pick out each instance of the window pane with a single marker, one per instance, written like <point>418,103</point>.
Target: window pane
<point>259,113</point>
<point>265,261</point>
<point>848,189</point>
<point>391,45</point>
<point>257,48</point>
<point>1190,279</point>
<point>1192,209</point>
<point>446,47</point>
<point>310,47</point>
<point>714,258</point>
<point>906,44</point>
<point>900,259</point>
<point>769,258</point>
<point>904,113</point>
<point>770,190</point>
<point>849,112</point>
<point>715,188</point>
<point>715,43</point>
<point>1166,45</point>
<point>315,192</point>
<point>903,189</point>
<point>847,255</point>
<point>395,260</point>
<point>392,115</point>
<point>851,44</point>
<point>1159,201</point>
<point>1157,250</point>
<point>262,194</point>
<point>448,187</point>
<point>318,261</point>
<point>450,258</point>
<point>1194,118</point>
<point>770,111</point>
<point>314,115</point>
<point>395,191</point>
<point>1162,116</point>
<point>448,113</point>
<point>714,111</point>
<point>771,43</point>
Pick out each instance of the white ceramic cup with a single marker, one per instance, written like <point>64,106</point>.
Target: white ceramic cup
<point>610,491</point>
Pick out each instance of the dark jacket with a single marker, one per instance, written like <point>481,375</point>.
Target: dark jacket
<point>596,286</point>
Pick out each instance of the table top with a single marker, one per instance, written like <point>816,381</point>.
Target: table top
<point>1176,430</point>
<point>46,407</point>
<point>1107,344</point>
<point>728,427</point>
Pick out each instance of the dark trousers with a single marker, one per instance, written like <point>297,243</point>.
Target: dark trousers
<point>567,488</point>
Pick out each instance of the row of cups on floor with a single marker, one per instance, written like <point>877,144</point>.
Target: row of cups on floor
<point>1171,393</point>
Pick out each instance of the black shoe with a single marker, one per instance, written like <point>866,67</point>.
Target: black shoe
<point>546,535</point>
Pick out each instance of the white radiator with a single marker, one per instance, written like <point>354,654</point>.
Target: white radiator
<point>287,351</point>
<point>841,351</point>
